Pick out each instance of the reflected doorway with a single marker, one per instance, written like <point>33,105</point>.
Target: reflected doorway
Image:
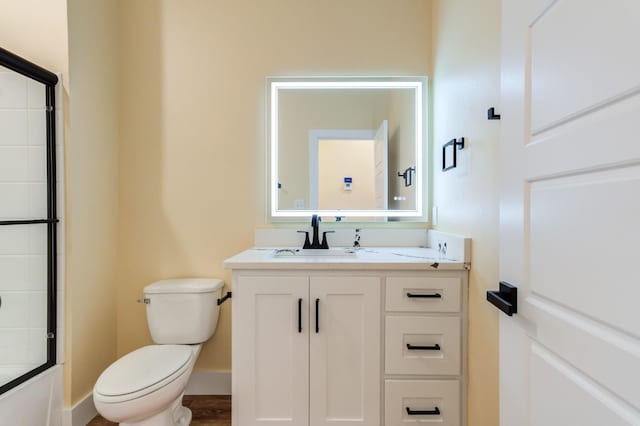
<point>348,169</point>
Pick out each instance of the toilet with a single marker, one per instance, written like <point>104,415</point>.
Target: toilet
<point>145,387</point>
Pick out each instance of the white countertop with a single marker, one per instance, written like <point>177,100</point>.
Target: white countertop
<point>370,258</point>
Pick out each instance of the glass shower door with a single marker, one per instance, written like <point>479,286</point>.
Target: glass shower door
<point>23,294</point>
<point>27,222</point>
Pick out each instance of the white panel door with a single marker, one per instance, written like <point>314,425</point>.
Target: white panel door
<point>345,350</point>
<point>271,354</point>
<point>570,212</point>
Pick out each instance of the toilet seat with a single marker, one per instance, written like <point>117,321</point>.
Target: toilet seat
<point>142,372</point>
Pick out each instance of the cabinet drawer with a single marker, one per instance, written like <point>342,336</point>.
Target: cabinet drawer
<point>423,294</point>
<point>422,345</point>
<point>422,401</point>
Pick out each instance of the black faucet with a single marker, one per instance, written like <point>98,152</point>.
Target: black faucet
<point>315,224</point>
<point>315,243</point>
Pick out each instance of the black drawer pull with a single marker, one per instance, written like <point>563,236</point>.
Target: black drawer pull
<point>299,315</point>
<point>317,315</point>
<point>434,412</point>
<point>424,296</point>
<point>411,347</point>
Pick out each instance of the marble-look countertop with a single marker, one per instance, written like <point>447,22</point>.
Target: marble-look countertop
<point>369,258</point>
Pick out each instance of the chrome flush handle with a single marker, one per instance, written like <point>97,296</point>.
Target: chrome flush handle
<point>146,301</point>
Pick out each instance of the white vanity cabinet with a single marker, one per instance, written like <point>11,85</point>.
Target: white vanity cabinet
<point>376,340</point>
<point>270,356</point>
<point>306,349</point>
<point>425,348</point>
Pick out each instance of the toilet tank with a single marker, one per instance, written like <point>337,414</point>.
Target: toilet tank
<point>183,311</point>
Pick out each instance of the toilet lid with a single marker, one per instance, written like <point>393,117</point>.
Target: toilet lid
<point>142,368</point>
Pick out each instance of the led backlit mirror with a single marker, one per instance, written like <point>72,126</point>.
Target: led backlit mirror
<point>350,148</point>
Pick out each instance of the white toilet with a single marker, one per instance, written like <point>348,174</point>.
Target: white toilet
<point>145,387</point>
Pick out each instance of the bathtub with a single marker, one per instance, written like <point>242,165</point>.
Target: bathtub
<point>36,402</point>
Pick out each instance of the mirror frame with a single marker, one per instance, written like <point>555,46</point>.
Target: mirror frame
<point>418,84</point>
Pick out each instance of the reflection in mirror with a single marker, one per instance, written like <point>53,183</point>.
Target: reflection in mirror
<point>338,146</point>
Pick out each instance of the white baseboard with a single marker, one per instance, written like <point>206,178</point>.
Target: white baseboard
<point>81,413</point>
<point>209,383</point>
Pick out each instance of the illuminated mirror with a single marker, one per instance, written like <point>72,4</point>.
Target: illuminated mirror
<point>350,148</point>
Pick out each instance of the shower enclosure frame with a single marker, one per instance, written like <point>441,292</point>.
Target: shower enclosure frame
<point>49,79</point>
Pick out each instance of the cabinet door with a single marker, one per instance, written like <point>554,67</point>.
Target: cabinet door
<point>270,353</point>
<point>345,351</point>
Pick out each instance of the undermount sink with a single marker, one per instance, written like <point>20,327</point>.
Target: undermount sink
<point>331,252</point>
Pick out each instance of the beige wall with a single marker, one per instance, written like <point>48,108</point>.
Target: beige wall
<point>37,31</point>
<point>466,81</point>
<point>92,198</point>
<point>192,124</point>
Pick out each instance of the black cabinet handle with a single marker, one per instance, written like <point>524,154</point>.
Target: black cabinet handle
<point>299,315</point>
<point>424,296</point>
<point>434,412</point>
<point>506,299</point>
<point>411,347</point>
<point>317,315</point>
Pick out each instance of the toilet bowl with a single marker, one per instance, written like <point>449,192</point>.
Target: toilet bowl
<point>146,386</point>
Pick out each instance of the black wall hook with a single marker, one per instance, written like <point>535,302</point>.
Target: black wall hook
<point>491,114</point>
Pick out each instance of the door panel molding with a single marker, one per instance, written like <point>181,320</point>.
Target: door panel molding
<point>562,395</point>
<point>562,150</point>
<point>607,355</point>
<point>575,71</point>
<point>571,262</point>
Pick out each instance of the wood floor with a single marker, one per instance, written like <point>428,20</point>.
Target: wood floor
<point>208,410</point>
